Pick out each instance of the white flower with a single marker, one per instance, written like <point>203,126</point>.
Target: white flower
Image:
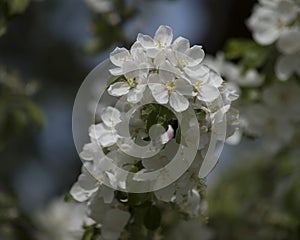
<point>184,57</point>
<point>231,72</point>
<point>162,40</point>
<point>269,20</point>
<point>130,62</point>
<point>61,220</point>
<point>286,65</point>
<point>167,88</point>
<point>101,6</point>
<point>283,99</point>
<point>206,86</point>
<point>274,132</point>
<point>133,88</point>
<point>289,62</point>
<point>106,132</point>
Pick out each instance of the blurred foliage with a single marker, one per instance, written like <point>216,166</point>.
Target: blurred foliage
<point>258,201</point>
<point>17,110</point>
<point>249,53</point>
<point>9,9</point>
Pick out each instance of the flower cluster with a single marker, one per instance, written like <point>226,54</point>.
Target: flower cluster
<point>160,82</point>
<point>172,71</point>
<point>278,21</point>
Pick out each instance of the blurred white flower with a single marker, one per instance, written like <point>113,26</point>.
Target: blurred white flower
<point>61,220</point>
<point>289,62</point>
<point>232,73</point>
<point>101,6</point>
<point>269,20</point>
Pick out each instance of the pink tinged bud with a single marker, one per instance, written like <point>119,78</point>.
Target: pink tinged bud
<point>168,135</point>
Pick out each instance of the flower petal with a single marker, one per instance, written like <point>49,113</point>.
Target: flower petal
<point>208,93</point>
<point>164,36</point>
<point>196,53</point>
<point>119,56</point>
<point>181,44</point>
<point>178,102</point>
<point>145,40</point>
<point>183,87</point>
<point>136,94</point>
<point>284,67</point>
<point>111,116</point>
<point>289,41</point>
<point>118,89</point>
<point>159,92</point>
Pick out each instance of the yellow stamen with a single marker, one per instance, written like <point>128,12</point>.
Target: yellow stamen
<point>198,84</point>
<point>131,82</point>
<point>170,85</point>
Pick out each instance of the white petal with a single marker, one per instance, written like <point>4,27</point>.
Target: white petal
<point>145,40</point>
<point>164,35</point>
<point>284,67</point>
<point>103,134</point>
<point>197,72</point>
<point>86,181</point>
<point>130,69</point>
<point>136,94</point>
<point>196,53</point>
<point>208,93</point>
<point>289,41</point>
<point>111,116</point>
<point>183,87</point>
<point>119,56</point>
<point>181,44</point>
<point>160,58</point>
<point>178,102</point>
<point>159,92</point>
<point>215,79</point>
<point>116,71</point>
<point>79,194</point>
<point>288,11</point>
<point>267,36</point>
<point>118,89</point>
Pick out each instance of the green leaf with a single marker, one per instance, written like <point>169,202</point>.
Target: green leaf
<point>152,218</point>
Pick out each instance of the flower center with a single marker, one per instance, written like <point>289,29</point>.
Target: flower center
<point>131,82</point>
<point>197,85</point>
<point>280,24</point>
<point>170,85</point>
<point>160,45</point>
